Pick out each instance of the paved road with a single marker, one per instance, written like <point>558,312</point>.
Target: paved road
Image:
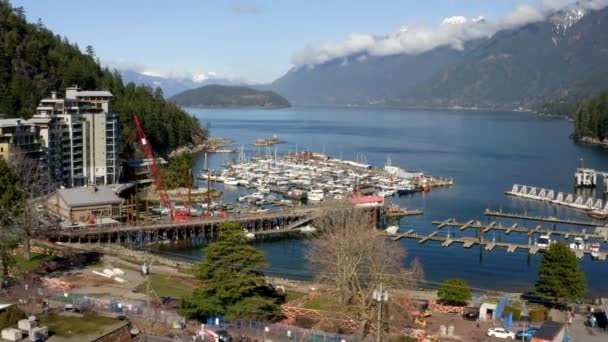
<point>582,333</point>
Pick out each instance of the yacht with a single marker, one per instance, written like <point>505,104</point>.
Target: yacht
<point>316,195</point>
<point>577,244</point>
<point>231,181</point>
<point>392,230</point>
<point>543,241</point>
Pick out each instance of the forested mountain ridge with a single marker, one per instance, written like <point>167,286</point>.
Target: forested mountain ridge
<point>229,96</point>
<point>34,62</point>
<point>363,79</point>
<point>591,119</point>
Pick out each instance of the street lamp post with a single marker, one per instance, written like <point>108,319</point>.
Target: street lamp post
<point>380,295</point>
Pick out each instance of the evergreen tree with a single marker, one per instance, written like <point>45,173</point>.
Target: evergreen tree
<point>454,291</point>
<point>12,201</point>
<point>230,281</point>
<point>559,275</point>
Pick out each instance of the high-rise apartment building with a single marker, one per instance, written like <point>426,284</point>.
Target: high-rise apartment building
<point>81,136</point>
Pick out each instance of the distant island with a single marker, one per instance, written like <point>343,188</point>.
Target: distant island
<point>229,96</point>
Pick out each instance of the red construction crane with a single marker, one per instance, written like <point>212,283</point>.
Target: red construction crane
<point>158,179</point>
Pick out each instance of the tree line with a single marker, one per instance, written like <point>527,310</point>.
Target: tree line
<point>591,118</point>
<point>34,62</point>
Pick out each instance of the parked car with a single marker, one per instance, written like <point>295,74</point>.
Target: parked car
<point>501,333</point>
<point>526,334</point>
<point>224,336</point>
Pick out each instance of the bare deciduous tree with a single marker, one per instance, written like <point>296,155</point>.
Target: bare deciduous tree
<point>35,183</point>
<point>352,256</point>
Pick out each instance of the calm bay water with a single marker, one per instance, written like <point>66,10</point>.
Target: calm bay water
<point>485,152</point>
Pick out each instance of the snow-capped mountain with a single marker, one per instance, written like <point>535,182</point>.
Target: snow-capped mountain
<point>173,85</point>
<point>565,19</point>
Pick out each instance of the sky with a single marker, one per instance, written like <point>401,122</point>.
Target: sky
<point>260,40</point>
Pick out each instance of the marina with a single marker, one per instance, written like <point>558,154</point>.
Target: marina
<point>314,177</point>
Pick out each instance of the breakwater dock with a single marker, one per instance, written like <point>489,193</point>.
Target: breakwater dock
<point>559,198</point>
<point>548,219</point>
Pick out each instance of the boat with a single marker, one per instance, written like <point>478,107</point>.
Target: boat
<point>264,189</point>
<point>386,193</point>
<point>392,230</point>
<point>543,241</point>
<point>316,195</point>
<point>406,190</point>
<point>249,235</point>
<point>578,244</point>
<point>231,181</point>
<point>599,214</point>
<point>296,194</point>
<point>308,229</point>
<point>243,198</point>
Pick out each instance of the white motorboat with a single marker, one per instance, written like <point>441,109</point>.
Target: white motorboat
<point>392,230</point>
<point>577,244</point>
<point>316,195</point>
<point>231,181</point>
<point>544,241</point>
<point>308,229</point>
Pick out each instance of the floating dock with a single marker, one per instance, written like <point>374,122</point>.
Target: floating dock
<point>468,242</point>
<point>549,219</point>
<point>600,233</point>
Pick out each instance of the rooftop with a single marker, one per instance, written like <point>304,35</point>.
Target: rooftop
<point>549,330</point>
<point>89,196</point>
<point>14,122</point>
<point>93,93</point>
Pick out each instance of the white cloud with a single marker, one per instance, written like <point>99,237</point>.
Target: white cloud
<point>453,31</point>
<point>203,76</point>
<point>522,15</point>
<point>151,73</point>
<point>594,4</point>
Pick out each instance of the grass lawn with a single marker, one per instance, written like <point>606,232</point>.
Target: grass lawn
<point>322,303</point>
<point>69,326</point>
<point>169,286</point>
<point>293,295</point>
<point>35,261</point>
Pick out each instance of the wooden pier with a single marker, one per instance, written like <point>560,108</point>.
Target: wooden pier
<point>280,222</point>
<point>403,213</point>
<point>549,219</point>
